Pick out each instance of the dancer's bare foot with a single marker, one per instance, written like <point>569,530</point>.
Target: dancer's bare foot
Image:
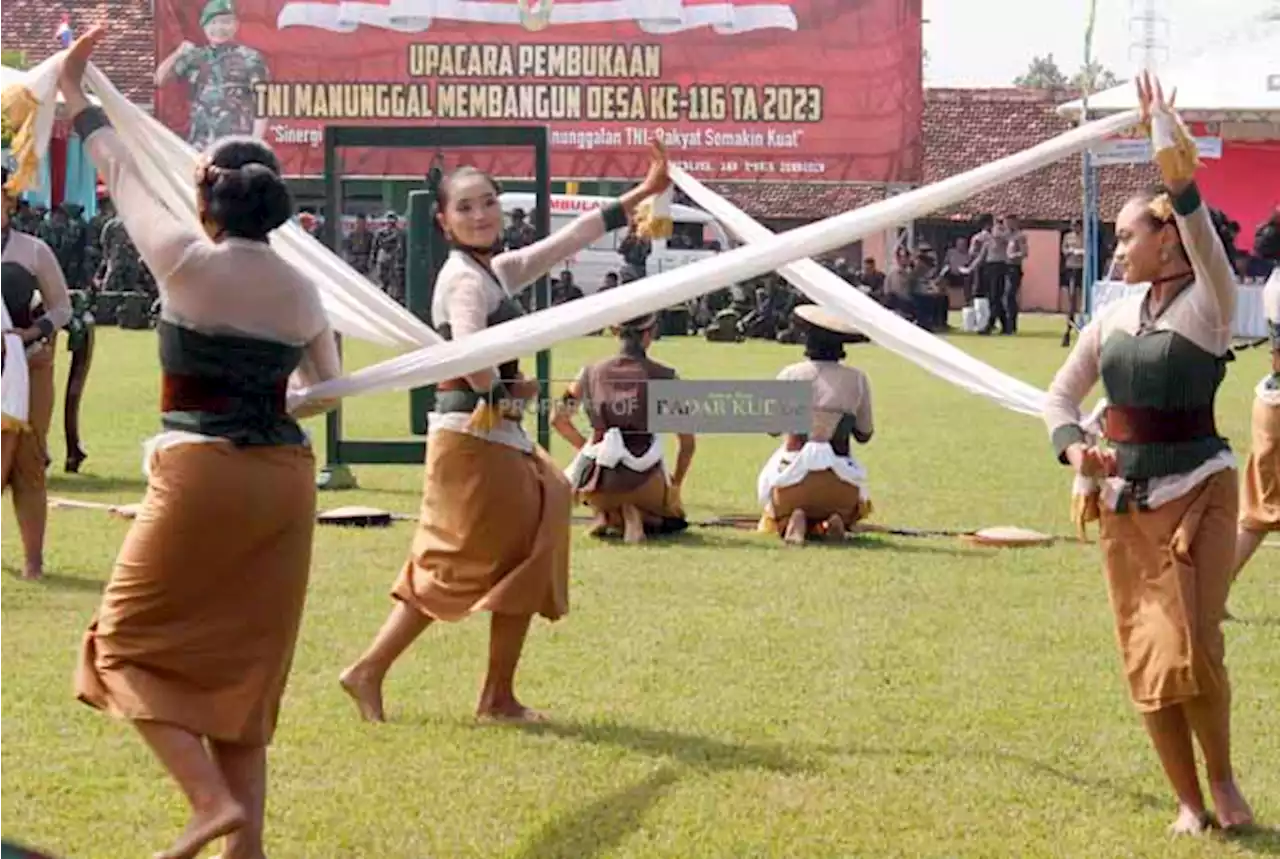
<point>632,524</point>
<point>205,825</point>
<point>365,688</point>
<point>1232,808</point>
<point>835,528</point>
<point>33,571</point>
<point>599,526</point>
<point>1191,821</point>
<point>797,527</point>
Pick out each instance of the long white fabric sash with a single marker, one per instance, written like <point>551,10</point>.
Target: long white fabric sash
<point>15,400</point>
<point>356,307</point>
<point>528,334</point>
<point>882,325</point>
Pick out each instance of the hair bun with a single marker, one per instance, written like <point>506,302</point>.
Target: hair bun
<point>242,188</point>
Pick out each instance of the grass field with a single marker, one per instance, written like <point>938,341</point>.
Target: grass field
<point>716,696</point>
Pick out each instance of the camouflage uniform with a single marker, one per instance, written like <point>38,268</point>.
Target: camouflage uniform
<point>66,241</point>
<point>221,78</point>
<point>122,268</point>
<point>93,251</point>
<point>357,249</point>
<point>519,235</point>
<point>390,252</point>
<point>76,269</point>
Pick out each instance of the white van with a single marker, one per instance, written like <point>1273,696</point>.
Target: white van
<point>696,235</point>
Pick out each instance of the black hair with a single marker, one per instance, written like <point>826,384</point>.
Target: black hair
<point>1221,223</point>
<point>1266,240</point>
<point>986,222</point>
<point>823,345</point>
<point>443,188</point>
<point>241,189</point>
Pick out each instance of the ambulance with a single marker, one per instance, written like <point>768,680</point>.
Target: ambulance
<point>696,235</point>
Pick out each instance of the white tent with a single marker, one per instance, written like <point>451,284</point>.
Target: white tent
<point>1238,80</point>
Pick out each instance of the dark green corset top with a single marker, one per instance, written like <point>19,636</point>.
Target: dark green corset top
<point>1164,371</point>
<point>227,386</point>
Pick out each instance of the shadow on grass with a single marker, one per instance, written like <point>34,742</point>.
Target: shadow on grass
<point>689,749</point>
<point>593,829</point>
<point>1263,840</point>
<point>57,581</point>
<point>1141,798</point>
<point>89,484</point>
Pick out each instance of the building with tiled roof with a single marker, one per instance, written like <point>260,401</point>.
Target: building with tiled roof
<point>127,55</point>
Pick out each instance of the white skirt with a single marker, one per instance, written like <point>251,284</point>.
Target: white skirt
<point>611,452</point>
<point>790,467</point>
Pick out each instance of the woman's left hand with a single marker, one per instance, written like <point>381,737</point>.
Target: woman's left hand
<point>1176,157</point>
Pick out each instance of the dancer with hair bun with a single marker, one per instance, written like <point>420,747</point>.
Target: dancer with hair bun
<point>494,529</point>
<point>1167,484</point>
<point>195,634</point>
<point>1260,489</point>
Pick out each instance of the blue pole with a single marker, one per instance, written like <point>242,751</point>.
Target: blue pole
<point>1090,179</point>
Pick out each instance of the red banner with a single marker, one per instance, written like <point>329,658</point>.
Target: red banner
<point>802,90</point>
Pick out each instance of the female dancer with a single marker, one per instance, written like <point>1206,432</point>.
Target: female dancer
<point>30,270</point>
<point>1260,497</point>
<point>494,532</point>
<point>813,485</point>
<point>196,630</point>
<point>1169,502</point>
<point>620,474</point>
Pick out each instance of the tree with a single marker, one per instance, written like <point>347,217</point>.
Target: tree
<point>1043,73</point>
<point>1094,77</point>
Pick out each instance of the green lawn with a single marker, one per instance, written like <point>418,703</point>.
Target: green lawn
<point>717,696</point>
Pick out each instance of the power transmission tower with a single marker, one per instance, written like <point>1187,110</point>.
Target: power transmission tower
<point>1148,33</point>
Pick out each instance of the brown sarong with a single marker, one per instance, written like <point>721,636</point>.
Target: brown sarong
<point>821,495</point>
<point>198,623</point>
<point>1260,489</point>
<point>1168,574</point>
<point>24,447</point>
<point>493,534</point>
<point>653,498</point>
<point>40,378</point>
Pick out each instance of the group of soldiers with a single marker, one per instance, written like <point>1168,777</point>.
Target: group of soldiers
<point>95,255</point>
<point>382,254</point>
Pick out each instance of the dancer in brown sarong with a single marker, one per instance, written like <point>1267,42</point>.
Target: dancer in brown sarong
<point>813,486</point>
<point>620,472</point>
<point>1168,500</point>
<point>31,272</point>
<point>494,529</point>
<point>195,634</point>
<point>1260,495</point>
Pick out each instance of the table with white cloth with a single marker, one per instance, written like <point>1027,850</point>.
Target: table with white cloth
<point>1250,321</point>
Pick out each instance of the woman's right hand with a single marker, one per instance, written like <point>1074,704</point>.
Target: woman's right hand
<point>70,82</point>
<point>658,179</point>
<point>1090,461</point>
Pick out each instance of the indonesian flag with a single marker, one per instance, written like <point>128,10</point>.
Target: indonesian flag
<point>727,17</point>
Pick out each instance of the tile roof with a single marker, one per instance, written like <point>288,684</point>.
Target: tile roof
<point>127,55</point>
<point>964,129</point>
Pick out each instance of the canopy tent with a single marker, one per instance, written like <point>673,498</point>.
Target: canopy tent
<point>1238,80</point>
<point>1235,84</point>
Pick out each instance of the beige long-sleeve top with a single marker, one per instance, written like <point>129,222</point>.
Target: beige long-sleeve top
<point>38,258</point>
<point>838,390</point>
<point>1201,313</point>
<point>466,294</point>
<point>234,286</point>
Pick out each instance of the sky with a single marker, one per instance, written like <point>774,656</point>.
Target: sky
<point>961,53</point>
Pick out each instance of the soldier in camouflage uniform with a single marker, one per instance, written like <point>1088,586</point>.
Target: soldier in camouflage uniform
<point>390,253</point>
<point>221,77</point>
<point>25,218</point>
<point>122,268</point>
<point>93,253</point>
<point>65,238</point>
<point>357,246</point>
<point>76,269</point>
